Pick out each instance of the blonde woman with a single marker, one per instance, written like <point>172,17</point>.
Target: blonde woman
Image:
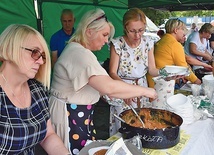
<point>79,81</point>
<point>169,51</point>
<point>24,83</point>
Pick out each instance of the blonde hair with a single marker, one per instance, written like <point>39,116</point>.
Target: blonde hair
<point>207,28</point>
<point>91,20</point>
<point>133,14</point>
<point>173,24</point>
<point>11,41</point>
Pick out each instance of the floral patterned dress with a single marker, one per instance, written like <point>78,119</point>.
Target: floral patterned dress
<point>133,67</point>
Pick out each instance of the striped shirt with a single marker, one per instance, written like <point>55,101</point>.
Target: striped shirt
<point>22,129</point>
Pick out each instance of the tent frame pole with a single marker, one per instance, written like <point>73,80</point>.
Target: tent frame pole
<point>38,11</point>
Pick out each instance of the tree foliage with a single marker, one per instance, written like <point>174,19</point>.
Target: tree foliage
<point>158,16</point>
<point>193,13</point>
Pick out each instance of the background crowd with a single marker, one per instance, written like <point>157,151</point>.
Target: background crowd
<point>61,107</point>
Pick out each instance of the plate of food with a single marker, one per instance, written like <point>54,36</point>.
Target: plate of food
<point>104,144</point>
<point>98,150</point>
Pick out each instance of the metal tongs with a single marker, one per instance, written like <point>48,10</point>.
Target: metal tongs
<point>119,118</point>
<point>135,112</point>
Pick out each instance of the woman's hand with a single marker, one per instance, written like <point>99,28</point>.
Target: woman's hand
<point>151,93</point>
<point>207,67</point>
<point>198,81</point>
<point>207,57</point>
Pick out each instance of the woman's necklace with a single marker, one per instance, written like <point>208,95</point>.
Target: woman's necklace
<point>12,92</point>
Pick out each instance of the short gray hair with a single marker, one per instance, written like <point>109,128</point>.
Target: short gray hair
<point>67,12</point>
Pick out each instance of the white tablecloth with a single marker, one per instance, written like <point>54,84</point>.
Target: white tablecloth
<point>202,138</point>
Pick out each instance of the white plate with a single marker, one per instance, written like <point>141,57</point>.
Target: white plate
<point>173,71</point>
<point>92,151</point>
<point>176,101</point>
<point>179,70</point>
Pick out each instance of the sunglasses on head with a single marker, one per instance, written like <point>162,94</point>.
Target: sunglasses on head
<point>100,17</point>
<point>178,20</point>
<point>36,54</point>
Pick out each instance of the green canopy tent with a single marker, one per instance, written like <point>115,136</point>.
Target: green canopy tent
<point>44,14</point>
<point>113,8</point>
<point>51,19</point>
<point>13,11</point>
<point>174,5</point>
